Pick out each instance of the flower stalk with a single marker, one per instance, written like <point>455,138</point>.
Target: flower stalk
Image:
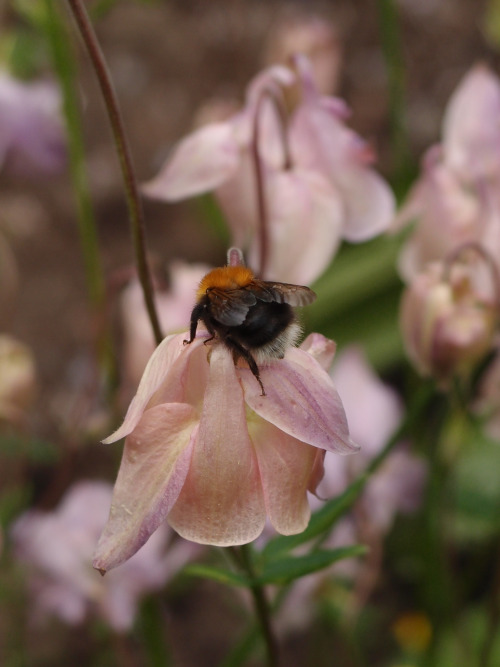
<point>131,187</point>
<point>243,558</point>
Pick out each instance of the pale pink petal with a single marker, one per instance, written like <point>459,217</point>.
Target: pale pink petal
<point>301,400</point>
<point>221,502</point>
<point>305,218</point>
<point>238,201</point>
<point>319,140</point>
<point>200,162</point>
<point>369,203</point>
<point>373,409</point>
<point>471,127</point>
<point>448,215</point>
<point>153,469</point>
<point>286,466</point>
<point>321,348</point>
<point>158,371</point>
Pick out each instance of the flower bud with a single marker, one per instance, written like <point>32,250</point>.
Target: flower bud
<point>448,324</point>
<point>17,379</point>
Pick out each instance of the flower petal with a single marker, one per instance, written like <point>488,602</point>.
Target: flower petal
<point>200,162</point>
<point>153,469</point>
<point>170,350</point>
<point>286,466</point>
<point>321,348</point>
<point>471,132</point>
<point>221,502</point>
<point>373,409</point>
<point>369,201</point>
<point>301,400</point>
<point>305,225</point>
<point>319,140</point>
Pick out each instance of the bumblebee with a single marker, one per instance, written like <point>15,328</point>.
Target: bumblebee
<point>253,318</point>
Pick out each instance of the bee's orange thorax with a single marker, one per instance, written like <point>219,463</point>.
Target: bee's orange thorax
<point>225,278</point>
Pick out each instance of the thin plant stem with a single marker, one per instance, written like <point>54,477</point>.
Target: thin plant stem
<point>243,559</point>
<point>64,64</point>
<point>391,47</point>
<point>65,67</point>
<point>131,188</point>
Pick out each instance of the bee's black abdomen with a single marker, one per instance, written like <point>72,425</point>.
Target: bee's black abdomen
<point>263,324</point>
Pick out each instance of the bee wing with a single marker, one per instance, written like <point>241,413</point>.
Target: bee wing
<point>230,307</point>
<point>294,295</point>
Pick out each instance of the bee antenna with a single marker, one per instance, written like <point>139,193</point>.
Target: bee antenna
<point>235,257</point>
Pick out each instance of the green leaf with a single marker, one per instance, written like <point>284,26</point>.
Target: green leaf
<point>320,522</point>
<point>217,574</point>
<point>288,569</point>
<point>35,451</point>
<point>475,511</point>
<point>358,300</point>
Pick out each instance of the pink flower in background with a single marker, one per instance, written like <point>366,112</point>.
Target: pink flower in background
<point>31,129</point>
<point>174,311</point>
<point>457,198</point>
<point>313,36</point>
<point>373,412</point>
<point>448,320</point>
<point>319,185</point>
<point>56,548</point>
<point>206,451</point>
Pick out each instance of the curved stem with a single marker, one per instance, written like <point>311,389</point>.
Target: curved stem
<point>132,191</point>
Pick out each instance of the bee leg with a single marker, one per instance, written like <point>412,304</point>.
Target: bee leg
<point>240,351</point>
<point>195,316</point>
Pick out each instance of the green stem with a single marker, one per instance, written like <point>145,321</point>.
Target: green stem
<point>154,632</point>
<point>243,559</point>
<point>64,63</point>
<point>391,46</point>
<point>131,188</point>
<point>65,67</point>
<point>493,607</point>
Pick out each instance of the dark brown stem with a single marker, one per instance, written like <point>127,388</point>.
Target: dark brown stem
<point>131,188</point>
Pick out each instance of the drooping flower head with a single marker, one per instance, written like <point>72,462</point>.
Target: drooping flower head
<point>208,452</point>
<point>449,317</point>
<point>315,178</point>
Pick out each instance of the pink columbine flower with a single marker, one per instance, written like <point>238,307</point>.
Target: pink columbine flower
<point>56,547</point>
<point>31,129</point>
<point>448,320</point>
<point>319,185</point>
<point>208,453</point>
<point>457,197</point>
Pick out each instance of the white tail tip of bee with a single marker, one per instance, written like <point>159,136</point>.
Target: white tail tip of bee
<point>235,257</point>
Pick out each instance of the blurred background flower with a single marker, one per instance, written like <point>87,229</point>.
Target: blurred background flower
<point>55,549</point>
